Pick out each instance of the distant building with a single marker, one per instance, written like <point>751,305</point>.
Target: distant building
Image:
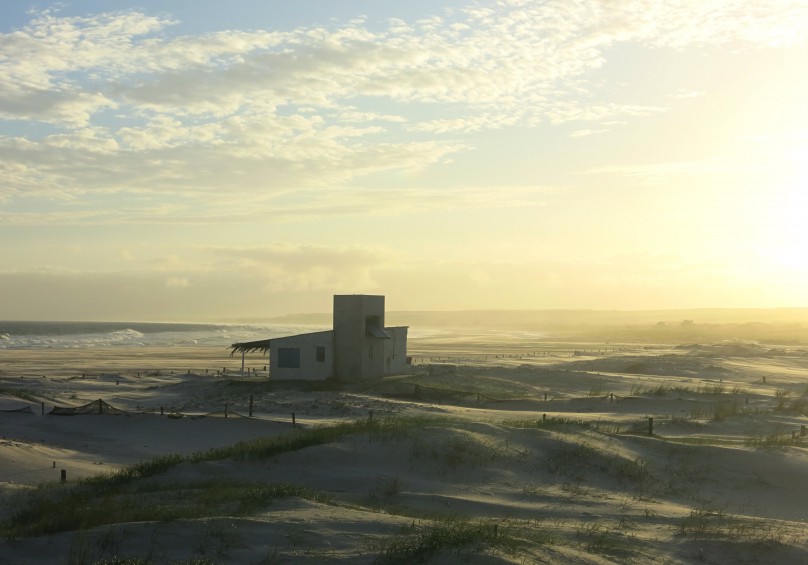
<point>359,347</point>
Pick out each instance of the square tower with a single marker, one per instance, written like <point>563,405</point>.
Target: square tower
<point>359,337</point>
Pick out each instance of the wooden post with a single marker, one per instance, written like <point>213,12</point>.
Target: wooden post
<point>294,425</point>
<point>161,410</point>
<point>64,475</point>
<point>370,416</point>
<point>225,410</point>
<point>545,397</point>
<point>54,464</point>
<point>243,354</point>
<point>42,407</point>
<point>251,405</point>
<point>650,426</point>
<point>544,418</point>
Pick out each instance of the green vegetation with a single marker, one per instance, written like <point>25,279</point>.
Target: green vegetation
<point>420,544</point>
<point>659,390</point>
<point>21,393</point>
<point>715,524</point>
<point>85,506</point>
<point>776,439</point>
<point>122,496</point>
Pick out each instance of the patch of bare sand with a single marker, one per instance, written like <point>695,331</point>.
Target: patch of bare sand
<point>557,490</point>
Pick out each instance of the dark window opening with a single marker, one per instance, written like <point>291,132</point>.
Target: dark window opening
<point>373,328</point>
<point>320,354</point>
<point>288,358</point>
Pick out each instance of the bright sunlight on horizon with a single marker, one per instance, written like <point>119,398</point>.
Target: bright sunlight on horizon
<point>185,161</point>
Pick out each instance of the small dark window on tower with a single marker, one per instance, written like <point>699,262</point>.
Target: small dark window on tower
<point>320,354</point>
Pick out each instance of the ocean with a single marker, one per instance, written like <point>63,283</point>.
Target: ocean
<point>78,335</point>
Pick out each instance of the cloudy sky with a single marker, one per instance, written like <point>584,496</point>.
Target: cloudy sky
<point>202,160</point>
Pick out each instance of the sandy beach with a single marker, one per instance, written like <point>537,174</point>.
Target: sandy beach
<point>509,449</point>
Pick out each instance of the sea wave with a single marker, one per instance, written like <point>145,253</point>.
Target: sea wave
<point>77,335</point>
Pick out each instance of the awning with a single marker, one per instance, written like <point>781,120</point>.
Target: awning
<point>261,345</point>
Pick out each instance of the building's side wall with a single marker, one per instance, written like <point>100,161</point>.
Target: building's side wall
<point>395,351</point>
<point>310,368</point>
<point>357,356</point>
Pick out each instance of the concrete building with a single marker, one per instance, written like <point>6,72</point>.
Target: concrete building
<point>360,346</point>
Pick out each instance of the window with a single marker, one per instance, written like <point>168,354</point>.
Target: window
<point>320,354</point>
<point>288,358</point>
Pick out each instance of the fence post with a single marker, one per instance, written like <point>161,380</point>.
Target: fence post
<point>251,405</point>
<point>294,425</point>
<point>650,426</point>
<point>42,406</point>
<point>225,410</point>
<point>64,475</point>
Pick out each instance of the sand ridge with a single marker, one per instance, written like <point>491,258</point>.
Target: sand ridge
<point>481,467</point>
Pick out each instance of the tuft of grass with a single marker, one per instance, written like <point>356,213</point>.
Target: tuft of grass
<point>603,538</point>
<point>145,561</point>
<point>545,423</point>
<point>724,410</point>
<point>83,507</point>
<point>711,523</point>
<point>774,440</point>
<point>420,545</point>
<point>122,497</point>
<point>659,390</point>
<point>21,393</point>
<point>712,388</point>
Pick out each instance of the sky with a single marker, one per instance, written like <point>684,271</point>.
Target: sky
<point>194,160</point>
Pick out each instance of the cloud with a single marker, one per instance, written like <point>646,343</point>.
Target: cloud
<point>281,278</point>
<point>128,108</point>
<point>177,282</point>
<point>658,173</point>
<point>302,268</point>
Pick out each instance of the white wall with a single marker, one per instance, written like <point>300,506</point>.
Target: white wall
<point>395,350</point>
<point>310,369</point>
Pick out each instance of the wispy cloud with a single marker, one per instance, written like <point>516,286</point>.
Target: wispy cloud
<point>129,108</point>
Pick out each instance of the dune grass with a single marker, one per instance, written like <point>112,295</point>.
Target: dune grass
<point>419,544</point>
<point>83,506</point>
<point>123,496</point>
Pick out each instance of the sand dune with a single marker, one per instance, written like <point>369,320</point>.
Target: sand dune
<point>464,459</point>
